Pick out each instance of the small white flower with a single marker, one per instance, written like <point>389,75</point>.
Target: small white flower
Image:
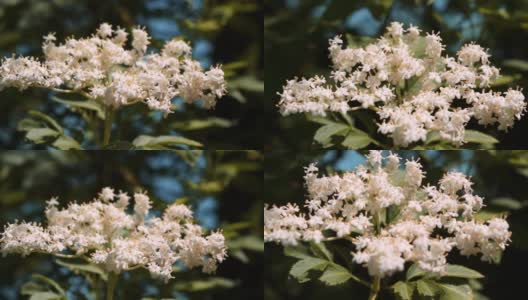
<point>435,87</point>
<point>102,231</point>
<point>347,206</point>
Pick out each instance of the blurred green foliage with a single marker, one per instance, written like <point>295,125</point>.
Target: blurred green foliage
<point>222,187</point>
<point>500,177</point>
<point>225,32</point>
<point>296,37</point>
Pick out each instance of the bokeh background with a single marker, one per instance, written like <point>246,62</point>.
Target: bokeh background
<point>227,32</point>
<point>296,34</point>
<point>500,177</point>
<point>222,187</point>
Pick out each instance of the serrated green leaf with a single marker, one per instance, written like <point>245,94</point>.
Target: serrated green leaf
<point>455,292</point>
<point>301,268</point>
<point>147,142</point>
<point>473,136</point>
<point>414,271</point>
<point>426,288</point>
<point>335,274</point>
<point>87,104</point>
<point>90,268</point>
<point>403,289</point>
<point>461,271</point>
<point>356,140</point>
<point>324,134</point>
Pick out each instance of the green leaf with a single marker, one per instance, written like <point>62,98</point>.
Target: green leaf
<point>403,289</point>
<point>296,252</point>
<point>45,296</point>
<point>432,137</point>
<point>461,271</point>
<point>508,203</point>
<point>28,124</point>
<point>248,242</point>
<point>248,83</point>
<point>505,79</point>
<point>50,282</point>
<point>485,215</point>
<point>516,63</point>
<point>29,288</point>
<point>455,292</point>
<point>41,135</point>
<point>324,134</point>
<point>89,268</point>
<point>356,140</point>
<point>162,142</point>
<point>202,124</point>
<point>426,288</point>
<point>205,284</point>
<point>418,47</point>
<point>473,136</point>
<point>335,274</point>
<point>321,251</point>
<point>47,119</point>
<point>87,104</point>
<point>319,120</point>
<point>65,142</point>
<point>414,271</point>
<point>300,269</point>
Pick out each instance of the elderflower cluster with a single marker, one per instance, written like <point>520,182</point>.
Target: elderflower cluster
<point>412,87</point>
<point>390,217</point>
<point>100,67</point>
<point>103,233</point>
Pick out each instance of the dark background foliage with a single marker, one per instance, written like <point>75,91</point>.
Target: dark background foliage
<point>226,32</point>
<point>222,187</point>
<point>297,32</point>
<point>500,177</point>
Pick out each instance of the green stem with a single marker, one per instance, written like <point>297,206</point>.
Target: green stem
<point>110,286</point>
<point>374,288</point>
<point>109,116</point>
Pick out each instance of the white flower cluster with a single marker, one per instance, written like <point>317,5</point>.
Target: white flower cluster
<point>101,68</point>
<point>103,232</point>
<point>413,89</point>
<point>425,224</point>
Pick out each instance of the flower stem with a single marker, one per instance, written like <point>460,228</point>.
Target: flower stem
<point>109,116</point>
<point>112,280</point>
<point>374,288</point>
